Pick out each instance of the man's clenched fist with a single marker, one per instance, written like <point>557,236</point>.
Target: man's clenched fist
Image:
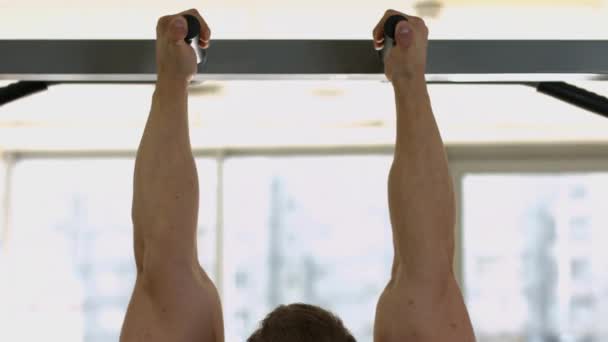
<point>175,59</point>
<point>407,60</point>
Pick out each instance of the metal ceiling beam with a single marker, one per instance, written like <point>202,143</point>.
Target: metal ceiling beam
<point>449,61</point>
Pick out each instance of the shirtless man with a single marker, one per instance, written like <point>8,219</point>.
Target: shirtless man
<point>174,299</point>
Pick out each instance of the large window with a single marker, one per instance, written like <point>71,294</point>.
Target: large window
<point>535,257</point>
<point>67,265</point>
<point>313,230</point>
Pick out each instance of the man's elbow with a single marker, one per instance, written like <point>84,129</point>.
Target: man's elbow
<point>433,268</point>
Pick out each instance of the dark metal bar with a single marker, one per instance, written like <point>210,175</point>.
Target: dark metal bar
<point>19,90</point>
<point>576,96</point>
<point>457,61</point>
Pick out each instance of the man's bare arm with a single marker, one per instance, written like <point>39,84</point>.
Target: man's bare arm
<point>422,301</point>
<point>165,193</point>
<point>173,297</point>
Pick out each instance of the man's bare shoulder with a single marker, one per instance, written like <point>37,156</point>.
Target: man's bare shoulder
<point>176,308</point>
<point>418,312</point>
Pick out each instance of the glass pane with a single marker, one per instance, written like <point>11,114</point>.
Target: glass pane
<point>68,268</point>
<point>274,19</point>
<point>313,230</point>
<point>3,227</point>
<point>535,260</point>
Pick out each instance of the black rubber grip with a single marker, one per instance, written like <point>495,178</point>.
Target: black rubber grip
<point>391,24</point>
<point>194,28</point>
<point>193,38</point>
<point>576,96</point>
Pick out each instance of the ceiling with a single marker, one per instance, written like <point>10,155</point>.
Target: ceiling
<point>279,113</point>
<point>300,19</point>
<point>292,113</point>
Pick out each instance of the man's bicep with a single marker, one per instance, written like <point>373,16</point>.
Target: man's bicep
<point>413,311</point>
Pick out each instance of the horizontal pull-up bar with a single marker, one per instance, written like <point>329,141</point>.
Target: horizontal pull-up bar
<point>450,61</point>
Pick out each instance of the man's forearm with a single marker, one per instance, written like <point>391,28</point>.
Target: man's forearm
<point>165,203</point>
<point>421,194</point>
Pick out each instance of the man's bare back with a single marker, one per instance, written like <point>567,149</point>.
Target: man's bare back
<point>174,299</point>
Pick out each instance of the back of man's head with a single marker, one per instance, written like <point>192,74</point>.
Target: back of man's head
<point>301,323</point>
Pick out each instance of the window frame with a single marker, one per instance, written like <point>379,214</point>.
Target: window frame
<point>463,160</point>
<point>516,159</point>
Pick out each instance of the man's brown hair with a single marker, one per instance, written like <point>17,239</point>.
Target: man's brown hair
<point>301,323</point>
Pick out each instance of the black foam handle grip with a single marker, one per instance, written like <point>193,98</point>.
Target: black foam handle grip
<point>390,25</point>
<point>193,38</point>
<point>194,28</point>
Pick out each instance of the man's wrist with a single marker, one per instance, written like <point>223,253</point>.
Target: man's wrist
<point>411,95</point>
<point>171,85</point>
<point>409,82</point>
<point>172,79</point>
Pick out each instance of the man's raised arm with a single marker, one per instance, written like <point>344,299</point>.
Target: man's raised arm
<point>422,301</point>
<point>173,300</point>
